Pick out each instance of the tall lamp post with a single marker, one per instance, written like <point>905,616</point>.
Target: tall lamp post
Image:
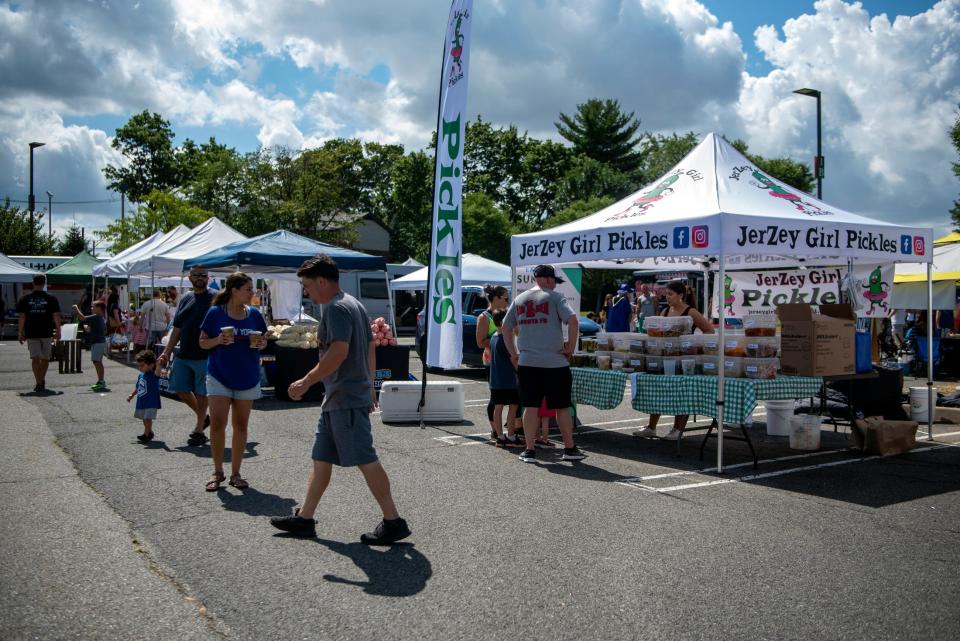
<point>818,161</point>
<point>50,216</point>
<point>32,201</point>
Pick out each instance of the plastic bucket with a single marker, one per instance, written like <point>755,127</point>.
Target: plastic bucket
<point>805,432</point>
<point>919,408</point>
<point>779,414</point>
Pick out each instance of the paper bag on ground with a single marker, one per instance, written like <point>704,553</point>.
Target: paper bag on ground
<point>876,435</point>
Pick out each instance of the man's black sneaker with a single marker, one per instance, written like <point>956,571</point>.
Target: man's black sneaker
<point>528,456</point>
<point>572,454</point>
<point>296,525</point>
<point>197,438</point>
<point>387,532</point>
<point>37,388</point>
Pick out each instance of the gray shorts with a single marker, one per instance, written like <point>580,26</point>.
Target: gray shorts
<point>147,413</point>
<point>344,438</point>
<point>40,348</point>
<point>97,350</point>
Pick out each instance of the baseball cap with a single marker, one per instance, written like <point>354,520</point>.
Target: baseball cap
<point>546,271</point>
<point>624,289</point>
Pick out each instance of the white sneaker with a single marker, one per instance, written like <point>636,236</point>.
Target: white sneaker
<point>674,435</point>
<point>646,432</point>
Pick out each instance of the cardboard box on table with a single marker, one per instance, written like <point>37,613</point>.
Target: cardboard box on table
<point>817,344</point>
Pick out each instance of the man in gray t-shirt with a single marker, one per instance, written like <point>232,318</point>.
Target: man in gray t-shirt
<point>344,437</point>
<point>541,354</point>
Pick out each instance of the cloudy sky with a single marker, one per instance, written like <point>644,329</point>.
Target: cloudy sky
<point>297,72</point>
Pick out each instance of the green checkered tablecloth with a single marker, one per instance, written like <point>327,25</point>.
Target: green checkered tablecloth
<point>600,388</point>
<point>673,395</point>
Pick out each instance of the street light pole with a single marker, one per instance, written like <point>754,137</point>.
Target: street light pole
<point>31,200</point>
<point>818,161</point>
<point>50,216</point>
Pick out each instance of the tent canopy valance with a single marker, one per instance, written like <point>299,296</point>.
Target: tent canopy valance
<point>282,251</point>
<point>76,270</point>
<point>716,202</point>
<point>474,270</point>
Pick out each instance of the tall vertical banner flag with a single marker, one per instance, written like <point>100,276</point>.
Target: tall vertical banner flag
<point>445,326</point>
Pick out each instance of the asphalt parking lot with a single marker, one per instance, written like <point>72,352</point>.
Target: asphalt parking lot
<point>637,541</point>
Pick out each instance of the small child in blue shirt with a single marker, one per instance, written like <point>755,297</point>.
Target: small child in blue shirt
<point>147,393</point>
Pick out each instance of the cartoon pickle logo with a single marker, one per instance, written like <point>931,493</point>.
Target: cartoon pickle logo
<point>761,181</point>
<point>456,48</point>
<point>648,199</point>
<point>876,291</point>
<point>728,297</point>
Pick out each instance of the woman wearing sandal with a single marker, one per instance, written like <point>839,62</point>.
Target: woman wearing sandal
<point>232,331</point>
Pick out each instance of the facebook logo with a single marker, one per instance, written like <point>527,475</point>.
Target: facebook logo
<point>906,244</point>
<point>681,237</point>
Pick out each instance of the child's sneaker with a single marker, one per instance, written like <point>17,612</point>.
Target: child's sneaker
<point>387,532</point>
<point>528,456</point>
<point>145,438</point>
<point>573,454</point>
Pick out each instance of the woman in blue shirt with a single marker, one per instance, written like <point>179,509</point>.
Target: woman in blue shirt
<point>232,331</point>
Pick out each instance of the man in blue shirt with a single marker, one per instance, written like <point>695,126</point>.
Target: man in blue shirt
<point>188,378</point>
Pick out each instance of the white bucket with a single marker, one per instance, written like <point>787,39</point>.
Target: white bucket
<point>779,414</point>
<point>919,408</point>
<point>805,432</point>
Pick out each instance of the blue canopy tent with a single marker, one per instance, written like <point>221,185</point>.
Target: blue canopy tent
<point>282,251</point>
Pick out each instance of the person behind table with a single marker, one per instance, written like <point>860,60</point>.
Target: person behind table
<point>618,316</point>
<point>503,386</point>
<point>156,316</point>
<point>96,331</point>
<point>38,319</point>
<point>114,313</point>
<point>228,333</point>
<point>188,380</point>
<point>646,305</point>
<point>147,392</point>
<point>680,302</point>
<point>542,354</point>
<point>344,435</point>
<point>607,302</point>
<point>498,299</point>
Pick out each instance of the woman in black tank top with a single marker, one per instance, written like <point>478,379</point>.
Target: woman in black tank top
<point>680,302</point>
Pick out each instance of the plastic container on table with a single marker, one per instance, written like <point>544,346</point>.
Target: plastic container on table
<point>588,344</point>
<point>735,346</point>
<point>671,346</point>
<point>637,362</point>
<point>675,325</point>
<point>604,342</point>
<point>616,365</point>
<point>654,347</point>
<point>691,345</point>
<point>603,360</point>
<point>761,368</point>
<point>637,346</point>
<point>652,325</point>
<point>708,365</point>
<point>689,365</point>
<point>762,346</point>
<point>732,367</point>
<point>710,345</point>
<point>760,325</point>
<point>671,365</point>
<point>654,365</point>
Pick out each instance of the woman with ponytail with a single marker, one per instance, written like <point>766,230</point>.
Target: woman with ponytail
<point>233,333</point>
<point>498,298</point>
<point>680,302</point>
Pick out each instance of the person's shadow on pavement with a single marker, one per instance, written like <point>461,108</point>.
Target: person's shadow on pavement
<point>156,444</point>
<point>254,502</point>
<point>203,451</point>
<point>399,570</point>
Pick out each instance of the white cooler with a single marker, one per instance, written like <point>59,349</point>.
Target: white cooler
<point>399,400</point>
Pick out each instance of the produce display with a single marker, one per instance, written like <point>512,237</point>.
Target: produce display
<point>294,336</point>
<point>382,333</point>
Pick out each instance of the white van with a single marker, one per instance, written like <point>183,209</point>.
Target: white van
<point>369,287</point>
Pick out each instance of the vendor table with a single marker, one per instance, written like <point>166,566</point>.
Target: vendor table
<point>600,388</point>
<point>678,395</point>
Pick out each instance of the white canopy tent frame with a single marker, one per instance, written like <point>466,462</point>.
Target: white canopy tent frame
<point>715,203</point>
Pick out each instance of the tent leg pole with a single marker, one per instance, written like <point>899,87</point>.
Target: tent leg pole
<point>931,406</point>
<point>720,367</point>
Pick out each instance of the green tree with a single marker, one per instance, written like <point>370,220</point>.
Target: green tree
<point>602,131</point>
<point>955,140</point>
<point>660,153</point>
<point>146,140</point>
<point>376,178</point>
<point>72,242</point>
<point>794,173</point>
<point>578,209</point>
<point>589,178</point>
<point>160,211</point>
<point>411,207</point>
<point>544,166</point>
<point>486,230</point>
<point>15,232</point>
<point>212,176</point>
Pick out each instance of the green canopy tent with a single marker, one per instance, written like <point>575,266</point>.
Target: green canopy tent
<point>78,270</point>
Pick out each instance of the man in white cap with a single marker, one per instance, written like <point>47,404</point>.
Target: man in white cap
<point>541,354</point>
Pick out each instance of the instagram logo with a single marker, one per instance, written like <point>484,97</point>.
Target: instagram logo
<point>700,236</point>
<point>918,246</point>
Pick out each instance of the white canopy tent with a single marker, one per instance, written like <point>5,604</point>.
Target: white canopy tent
<point>475,270</point>
<point>167,260</point>
<point>715,203</point>
<point>119,265</point>
<point>13,272</point>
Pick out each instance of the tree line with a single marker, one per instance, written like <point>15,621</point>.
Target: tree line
<point>513,182</point>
